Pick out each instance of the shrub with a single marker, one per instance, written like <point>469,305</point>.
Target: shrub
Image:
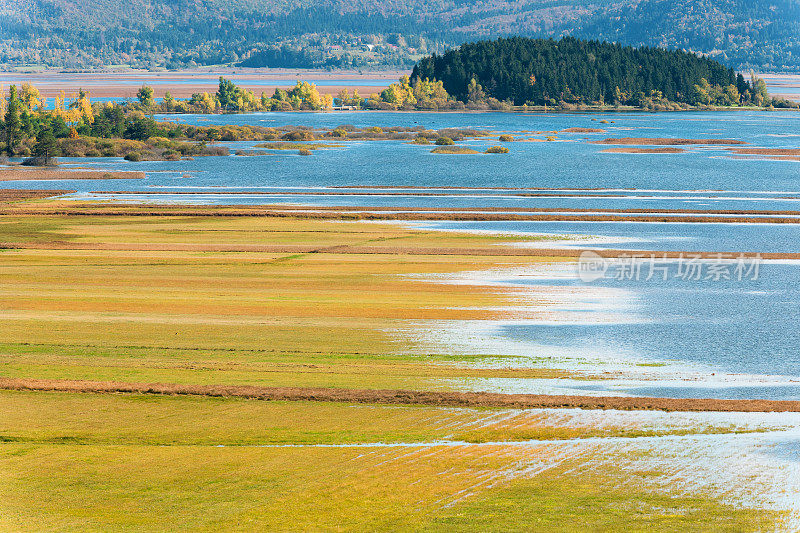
<point>421,139</point>
<point>160,142</point>
<point>444,141</point>
<point>304,151</point>
<point>171,155</point>
<point>40,161</point>
<point>506,138</point>
<point>551,138</point>
<point>453,150</point>
<point>214,150</point>
<point>339,132</point>
<point>298,135</point>
<point>133,156</point>
<point>497,150</point>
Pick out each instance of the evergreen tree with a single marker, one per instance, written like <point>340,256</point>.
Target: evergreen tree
<point>228,94</point>
<point>46,146</point>
<point>13,123</point>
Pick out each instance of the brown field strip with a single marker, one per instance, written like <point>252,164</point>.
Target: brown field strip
<point>662,141</point>
<point>259,211</point>
<point>382,250</point>
<point>766,151</point>
<point>47,174</point>
<point>636,150</point>
<point>488,193</point>
<point>489,209</point>
<point>407,397</point>
<point>17,195</point>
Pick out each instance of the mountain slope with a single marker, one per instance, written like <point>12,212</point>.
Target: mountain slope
<point>365,33</point>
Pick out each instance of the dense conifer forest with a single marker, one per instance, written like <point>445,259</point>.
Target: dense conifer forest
<point>546,71</point>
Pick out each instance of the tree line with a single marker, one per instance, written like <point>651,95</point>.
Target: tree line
<point>29,129</point>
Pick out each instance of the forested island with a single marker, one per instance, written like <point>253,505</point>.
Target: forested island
<point>572,72</point>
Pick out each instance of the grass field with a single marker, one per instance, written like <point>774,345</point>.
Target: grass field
<point>153,299</point>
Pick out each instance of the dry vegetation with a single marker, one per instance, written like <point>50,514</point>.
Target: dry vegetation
<point>583,130</point>
<point>454,150</point>
<point>48,174</point>
<point>410,397</point>
<point>669,141</point>
<point>637,150</point>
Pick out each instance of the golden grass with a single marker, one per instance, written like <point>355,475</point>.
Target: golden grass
<point>140,419</point>
<point>101,210</point>
<point>89,463</point>
<point>192,316</point>
<point>18,195</point>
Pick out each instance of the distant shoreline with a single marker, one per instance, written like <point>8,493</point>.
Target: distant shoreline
<point>184,83</point>
<point>125,84</point>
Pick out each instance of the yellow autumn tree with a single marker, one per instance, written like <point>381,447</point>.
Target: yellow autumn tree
<point>400,94</point>
<point>2,101</point>
<point>58,108</point>
<point>85,107</point>
<point>204,102</point>
<point>246,101</point>
<point>305,95</point>
<point>30,97</point>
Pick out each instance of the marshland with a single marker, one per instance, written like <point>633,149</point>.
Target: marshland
<point>236,336</point>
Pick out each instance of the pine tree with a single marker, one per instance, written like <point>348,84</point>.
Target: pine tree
<point>46,147</point>
<point>228,94</point>
<point>13,123</point>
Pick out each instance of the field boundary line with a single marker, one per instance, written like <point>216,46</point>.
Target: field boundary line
<point>404,397</point>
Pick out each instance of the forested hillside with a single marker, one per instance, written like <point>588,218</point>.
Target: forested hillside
<point>369,33</point>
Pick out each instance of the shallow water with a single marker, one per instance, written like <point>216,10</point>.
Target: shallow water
<point>734,327</point>
<point>651,236</point>
<point>570,162</point>
<point>688,338</point>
